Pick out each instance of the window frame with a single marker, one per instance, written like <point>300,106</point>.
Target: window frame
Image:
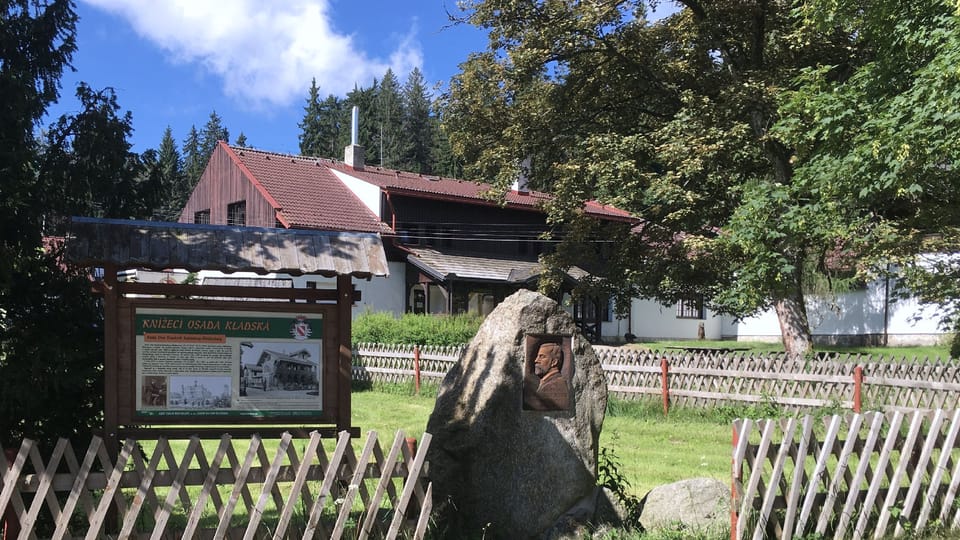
<point>235,210</point>
<point>691,308</point>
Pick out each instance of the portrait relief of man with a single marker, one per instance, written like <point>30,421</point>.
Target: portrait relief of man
<point>547,387</point>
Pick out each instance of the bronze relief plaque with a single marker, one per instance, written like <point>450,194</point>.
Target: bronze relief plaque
<point>548,372</point>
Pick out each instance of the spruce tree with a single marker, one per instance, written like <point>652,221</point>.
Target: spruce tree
<point>365,99</point>
<point>193,160</point>
<point>51,328</point>
<point>332,124</point>
<point>389,118</point>
<point>213,131</point>
<point>417,125</point>
<point>312,132</point>
<point>171,171</point>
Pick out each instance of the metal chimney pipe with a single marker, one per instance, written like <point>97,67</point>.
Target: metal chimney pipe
<point>355,125</point>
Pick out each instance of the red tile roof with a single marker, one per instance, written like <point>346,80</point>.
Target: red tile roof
<point>311,196</point>
<point>438,187</point>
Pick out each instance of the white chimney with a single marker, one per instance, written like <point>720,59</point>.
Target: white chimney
<point>354,125</point>
<point>522,183</point>
<point>353,154</point>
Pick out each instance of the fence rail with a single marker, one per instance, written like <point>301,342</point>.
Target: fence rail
<point>855,476</point>
<point>190,491</point>
<point>702,378</point>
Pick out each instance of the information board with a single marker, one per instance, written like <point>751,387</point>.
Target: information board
<point>228,363</point>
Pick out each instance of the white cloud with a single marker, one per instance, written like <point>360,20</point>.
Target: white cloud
<point>265,51</point>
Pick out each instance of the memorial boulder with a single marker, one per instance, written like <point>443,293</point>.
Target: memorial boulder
<point>516,424</point>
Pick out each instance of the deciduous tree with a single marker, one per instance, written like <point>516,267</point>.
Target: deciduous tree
<point>668,119</point>
<point>878,135</point>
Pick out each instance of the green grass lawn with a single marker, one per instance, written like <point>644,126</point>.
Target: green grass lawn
<point>650,449</point>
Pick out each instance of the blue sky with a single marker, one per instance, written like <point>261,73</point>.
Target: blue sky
<point>172,62</point>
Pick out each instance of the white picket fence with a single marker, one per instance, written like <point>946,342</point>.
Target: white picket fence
<point>227,490</point>
<point>698,379</point>
<point>853,476</point>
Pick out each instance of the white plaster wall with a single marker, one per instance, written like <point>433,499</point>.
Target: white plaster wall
<point>851,314</point>
<point>652,320</point>
<point>368,194</point>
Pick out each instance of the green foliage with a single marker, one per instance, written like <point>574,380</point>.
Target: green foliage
<point>417,125</point>
<point>170,165</point>
<point>213,131</point>
<point>317,130</point>
<point>610,476</point>
<point>389,113</point>
<point>669,120</point>
<point>398,126</point>
<point>51,355</point>
<point>876,136</point>
<point>193,160</point>
<point>89,167</point>
<point>382,327</point>
<point>51,328</point>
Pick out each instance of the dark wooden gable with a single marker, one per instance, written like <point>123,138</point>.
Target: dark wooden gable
<point>226,181</point>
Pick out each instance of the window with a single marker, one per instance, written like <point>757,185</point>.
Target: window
<point>202,217</point>
<point>691,308</point>
<point>237,213</point>
<point>586,309</point>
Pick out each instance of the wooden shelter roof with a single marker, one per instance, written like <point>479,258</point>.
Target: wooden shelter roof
<point>160,245</point>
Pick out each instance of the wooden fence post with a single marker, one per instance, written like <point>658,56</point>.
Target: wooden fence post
<point>734,503</point>
<point>416,369</point>
<point>10,525</point>
<point>857,389</point>
<point>665,387</point>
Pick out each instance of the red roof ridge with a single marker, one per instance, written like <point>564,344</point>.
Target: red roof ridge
<point>392,180</point>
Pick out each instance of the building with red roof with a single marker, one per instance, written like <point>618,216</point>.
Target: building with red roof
<point>452,247</point>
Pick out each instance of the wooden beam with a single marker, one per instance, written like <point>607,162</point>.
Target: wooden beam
<point>345,357</point>
<point>177,290</point>
<point>108,286</point>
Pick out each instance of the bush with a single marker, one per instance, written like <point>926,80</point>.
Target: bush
<point>410,329</point>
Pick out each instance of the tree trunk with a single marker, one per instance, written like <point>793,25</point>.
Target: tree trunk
<point>794,326</point>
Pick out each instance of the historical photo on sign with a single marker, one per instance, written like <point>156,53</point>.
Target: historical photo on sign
<point>279,370</point>
<point>154,391</point>
<point>200,392</point>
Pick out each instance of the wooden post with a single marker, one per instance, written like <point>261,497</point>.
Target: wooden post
<point>345,356</point>
<point>11,525</point>
<point>412,446</point>
<point>857,389</point>
<point>416,369</point>
<point>734,504</point>
<point>111,378</point>
<point>111,361</point>
<point>665,387</point>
